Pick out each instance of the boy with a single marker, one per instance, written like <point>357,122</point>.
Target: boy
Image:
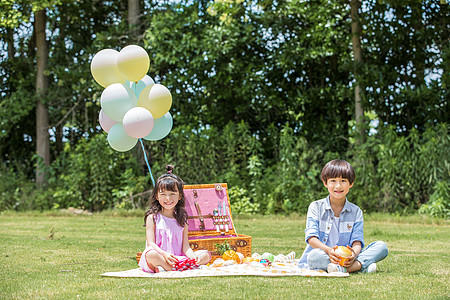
<point>333,222</point>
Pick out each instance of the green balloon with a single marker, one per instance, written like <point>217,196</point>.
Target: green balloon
<point>119,140</point>
<point>116,100</point>
<point>161,128</point>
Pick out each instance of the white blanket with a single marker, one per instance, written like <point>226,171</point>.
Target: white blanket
<point>276,270</point>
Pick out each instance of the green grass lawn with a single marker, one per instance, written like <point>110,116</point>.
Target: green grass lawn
<point>69,265</point>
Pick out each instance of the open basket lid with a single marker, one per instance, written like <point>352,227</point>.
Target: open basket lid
<point>207,206</point>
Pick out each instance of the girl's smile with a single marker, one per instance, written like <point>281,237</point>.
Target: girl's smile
<point>168,199</point>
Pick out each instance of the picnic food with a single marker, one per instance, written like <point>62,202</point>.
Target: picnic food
<point>225,251</point>
<point>344,253</point>
<point>268,256</point>
<point>187,264</point>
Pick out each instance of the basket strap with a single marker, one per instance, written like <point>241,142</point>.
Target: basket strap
<point>199,212</point>
<point>200,217</point>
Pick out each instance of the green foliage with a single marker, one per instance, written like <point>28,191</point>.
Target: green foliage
<point>241,202</point>
<point>439,204</point>
<point>93,176</point>
<point>262,99</point>
<point>399,173</point>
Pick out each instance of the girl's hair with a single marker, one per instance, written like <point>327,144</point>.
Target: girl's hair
<point>338,168</point>
<point>168,182</point>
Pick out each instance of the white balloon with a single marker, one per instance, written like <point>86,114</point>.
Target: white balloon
<point>105,122</point>
<point>104,68</point>
<point>116,100</point>
<point>138,122</point>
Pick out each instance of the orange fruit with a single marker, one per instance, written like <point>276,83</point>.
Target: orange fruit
<point>231,255</point>
<point>344,253</point>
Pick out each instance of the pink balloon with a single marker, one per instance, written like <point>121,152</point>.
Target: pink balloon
<point>138,122</point>
<point>105,121</point>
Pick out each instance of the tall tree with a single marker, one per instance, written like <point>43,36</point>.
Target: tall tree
<point>42,124</point>
<point>133,15</point>
<point>357,56</point>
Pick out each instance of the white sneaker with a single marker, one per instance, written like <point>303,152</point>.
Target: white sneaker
<point>372,268</point>
<point>335,268</point>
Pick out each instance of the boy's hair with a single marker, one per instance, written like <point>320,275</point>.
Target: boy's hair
<point>168,182</point>
<point>338,168</point>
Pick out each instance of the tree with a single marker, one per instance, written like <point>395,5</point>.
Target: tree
<point>357,56</point>
<point>42,125</point>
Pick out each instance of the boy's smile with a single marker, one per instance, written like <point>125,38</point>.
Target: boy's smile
<point>338,188</point>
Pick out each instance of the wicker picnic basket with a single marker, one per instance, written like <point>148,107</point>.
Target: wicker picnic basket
<point>210,220</point>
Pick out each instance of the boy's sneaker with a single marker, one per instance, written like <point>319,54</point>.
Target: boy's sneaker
<point>159,269</point>
<point>372,268</point>
<point>336,268</point>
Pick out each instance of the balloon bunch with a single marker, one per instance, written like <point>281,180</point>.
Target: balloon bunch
<point>133,105</point>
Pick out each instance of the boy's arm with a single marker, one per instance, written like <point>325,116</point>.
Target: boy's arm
<point>312,232</point>
<point>358,230</point>
<point>316,243</point>
<point>356,250</point>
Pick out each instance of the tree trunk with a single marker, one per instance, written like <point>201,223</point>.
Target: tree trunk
<point>356,43</point>
<point>42,135</point>
<point>133,16</point>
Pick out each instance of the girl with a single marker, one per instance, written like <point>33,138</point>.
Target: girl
<point>167,229</point>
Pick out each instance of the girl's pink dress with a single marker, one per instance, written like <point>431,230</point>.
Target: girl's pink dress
<point>168,237</point>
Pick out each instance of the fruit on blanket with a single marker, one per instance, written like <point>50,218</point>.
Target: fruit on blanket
<point>248,260</point>
<point>222,248</point>
<point>218,263</point>
<point>241,257</point>
<point>225,251</point>
<point>344,253</point>
<point>268,256</point>
<point>231,255</point>
<point>183,265</point>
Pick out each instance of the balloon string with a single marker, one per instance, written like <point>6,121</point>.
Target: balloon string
<point>146,160</point>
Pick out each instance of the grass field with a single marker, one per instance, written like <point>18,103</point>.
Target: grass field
<point>69,265</point>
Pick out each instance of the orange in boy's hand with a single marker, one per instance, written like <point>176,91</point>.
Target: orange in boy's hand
<point>344,253</point>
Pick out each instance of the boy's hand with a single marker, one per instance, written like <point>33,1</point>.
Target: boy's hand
<point>334,257</point>
<point>351,259</point>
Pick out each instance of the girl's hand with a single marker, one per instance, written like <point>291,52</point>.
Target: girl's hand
<point>193,257</point>
<point>170,259</point>
<point>351,259</point>
<point>334,257</point>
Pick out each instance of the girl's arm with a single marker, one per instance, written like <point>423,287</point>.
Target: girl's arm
<point>187,250</point>
<point>150,233</point>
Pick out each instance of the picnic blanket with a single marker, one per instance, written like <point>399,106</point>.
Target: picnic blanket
<point>277,269</point>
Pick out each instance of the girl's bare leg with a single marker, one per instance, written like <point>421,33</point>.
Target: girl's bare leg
<point>204,258</point>
<point>155,259</point>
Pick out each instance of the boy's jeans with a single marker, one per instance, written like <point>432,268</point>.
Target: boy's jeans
<point>319,260</point>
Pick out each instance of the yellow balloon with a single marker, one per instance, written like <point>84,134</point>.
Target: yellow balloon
<point>133,62</point>
<point>104,68</point>
<point>157,99</point>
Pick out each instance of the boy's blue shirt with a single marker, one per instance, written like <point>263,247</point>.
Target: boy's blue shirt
<point>319,221</point>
